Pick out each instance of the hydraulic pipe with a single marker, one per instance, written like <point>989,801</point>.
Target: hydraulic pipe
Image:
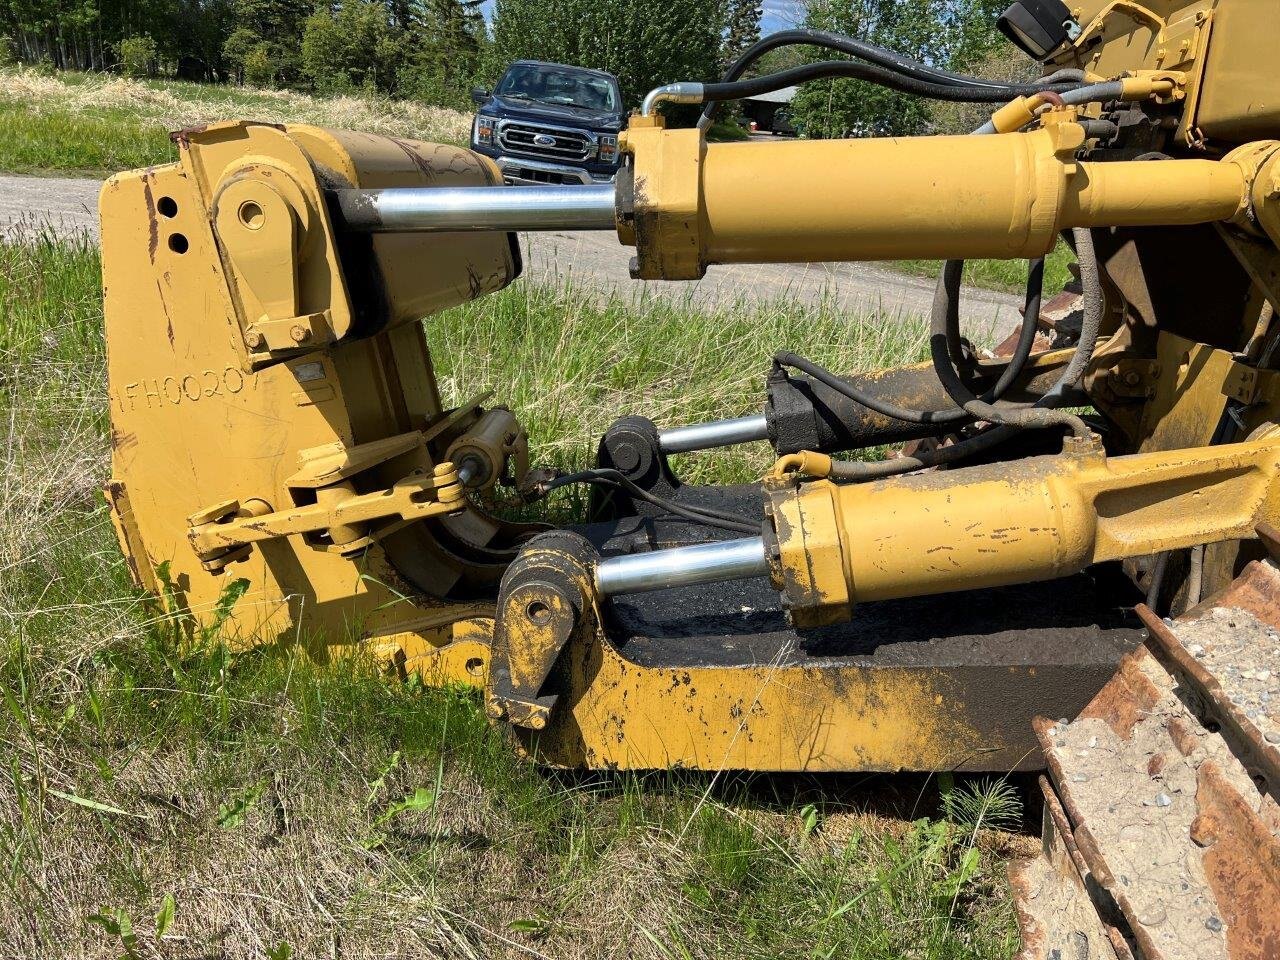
<point>682,566</point>
<point>717,433</point>
<point>450,209</point>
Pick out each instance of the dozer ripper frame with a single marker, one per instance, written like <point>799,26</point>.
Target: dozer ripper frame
<point>275,418</point>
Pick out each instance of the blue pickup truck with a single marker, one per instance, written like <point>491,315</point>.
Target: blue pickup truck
<point>550,123</point>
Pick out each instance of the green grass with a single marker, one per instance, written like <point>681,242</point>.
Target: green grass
<point>96,124</point>
<point>278,802</point>
<point>71,144</point>
<point>1002,274</point>
<point>570,361</point>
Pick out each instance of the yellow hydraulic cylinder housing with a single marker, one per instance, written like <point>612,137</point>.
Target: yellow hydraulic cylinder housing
<point>275,417</point>
<point>684,203</point>
<point>998,524</point>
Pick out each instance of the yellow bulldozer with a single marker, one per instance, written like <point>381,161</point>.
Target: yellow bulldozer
<point>1068,567</point>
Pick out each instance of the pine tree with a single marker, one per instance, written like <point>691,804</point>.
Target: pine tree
<point>743,29</point>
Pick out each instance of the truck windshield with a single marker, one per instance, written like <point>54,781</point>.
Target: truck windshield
<point>560,86</point>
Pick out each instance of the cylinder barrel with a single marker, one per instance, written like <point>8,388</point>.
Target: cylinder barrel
<point>451,209</point>
<point>685,204</point>
<point>874,199</point>
<point>682,566</point>
<point>999,524</point>
<point>938,197</point>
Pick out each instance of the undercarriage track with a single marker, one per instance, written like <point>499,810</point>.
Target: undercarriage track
<point>1161,830</point>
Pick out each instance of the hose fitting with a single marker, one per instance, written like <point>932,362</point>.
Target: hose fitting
<point>806,462</point>
<point>683,92</point>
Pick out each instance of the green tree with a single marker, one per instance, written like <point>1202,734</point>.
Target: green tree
<point>259,67</point>
<point>268,33</point>
<point>137,56</point>
<point>355,48</point>
<point>644,42</point>
<point>743,29</point>
<point>87,34</point>
<point>951,33</point>
<point>448,43</point>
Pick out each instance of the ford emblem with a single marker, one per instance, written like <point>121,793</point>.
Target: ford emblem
<point>544,140</point>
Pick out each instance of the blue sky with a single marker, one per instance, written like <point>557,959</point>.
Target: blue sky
<point>778,14</point>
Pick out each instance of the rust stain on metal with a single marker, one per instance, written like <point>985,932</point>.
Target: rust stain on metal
<point>1270,538</point>
<point>1168,788</point>
<point>153,226</point>
<point>1234,722</point>
<point>1127,698</point>
<point>1242,862</point>
<point>182,137</point>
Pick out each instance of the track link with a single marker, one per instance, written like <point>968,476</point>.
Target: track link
<point>1161,833</point>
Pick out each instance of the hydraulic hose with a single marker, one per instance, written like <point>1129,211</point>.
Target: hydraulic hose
<point>1094,93</point>
<point>1065,75</point>
<point>1090,281</point>
<point>944,330</point>
<point>615,479</point>
<point>1090,324</point>
<point>874,54</point>
<point>930,89</point>
<point>952,415</point>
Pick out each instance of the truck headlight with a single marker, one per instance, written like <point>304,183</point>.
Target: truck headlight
<point>484,128</point>
<point>609,149</point>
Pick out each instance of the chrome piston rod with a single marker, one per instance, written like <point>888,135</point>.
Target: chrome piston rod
<point>682,566</point>
<point>717,433</point>
<point>449,209</point>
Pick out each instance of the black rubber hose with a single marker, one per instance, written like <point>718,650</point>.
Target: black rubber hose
<point>615,479</point>
<point>886,408</point>
<point>1026,334</point>
<point>929,89</point>
<point>869,52</point>
<point>856,471</point>
<point>954,415</point>
<point>944,329</point>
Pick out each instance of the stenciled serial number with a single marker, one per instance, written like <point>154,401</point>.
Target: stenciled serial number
<point>152,392</point>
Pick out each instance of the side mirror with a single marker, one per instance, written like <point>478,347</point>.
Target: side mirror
<point>479,95</point>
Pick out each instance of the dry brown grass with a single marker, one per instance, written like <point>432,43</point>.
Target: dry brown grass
<point>170,106</point>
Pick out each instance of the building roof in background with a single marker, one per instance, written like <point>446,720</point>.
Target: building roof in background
<point>784,95</point>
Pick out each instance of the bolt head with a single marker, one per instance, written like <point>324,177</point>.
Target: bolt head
<point>299,333</point>
<point>254,339</point>
<point>537,722</point>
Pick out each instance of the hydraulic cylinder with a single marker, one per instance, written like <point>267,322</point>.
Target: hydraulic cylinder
<point>684,203</point>
<point>985,526</point>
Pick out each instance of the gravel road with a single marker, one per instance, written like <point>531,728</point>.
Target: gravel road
<point>68,206</point>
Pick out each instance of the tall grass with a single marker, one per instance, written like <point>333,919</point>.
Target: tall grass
<point>99,124</point>
<point>38,141</point>
<point>570,362</point>
<point>159,800</point>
